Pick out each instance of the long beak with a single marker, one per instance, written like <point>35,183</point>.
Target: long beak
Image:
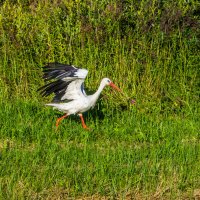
<point>114,86</point>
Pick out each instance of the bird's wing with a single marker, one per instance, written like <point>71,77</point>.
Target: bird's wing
<point>68,81</point>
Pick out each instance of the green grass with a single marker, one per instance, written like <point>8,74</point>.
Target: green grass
<point>125,154</point>
<point>150,49</point>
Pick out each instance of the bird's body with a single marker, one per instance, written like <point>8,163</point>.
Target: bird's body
<point>80,104</point>
<point>68,87</point>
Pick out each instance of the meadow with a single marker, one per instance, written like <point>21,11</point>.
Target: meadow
<point>146,150</point>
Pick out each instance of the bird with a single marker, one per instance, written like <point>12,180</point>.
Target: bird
<point>67,84</point>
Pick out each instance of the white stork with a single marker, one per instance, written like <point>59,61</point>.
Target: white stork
<point>68,87</point>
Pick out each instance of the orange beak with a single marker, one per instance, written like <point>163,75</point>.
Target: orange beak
<point>114,86</point>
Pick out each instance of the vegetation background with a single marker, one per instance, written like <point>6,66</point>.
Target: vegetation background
<point>150,49</point>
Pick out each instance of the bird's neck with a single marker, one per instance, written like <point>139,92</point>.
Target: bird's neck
<point>96,95</point>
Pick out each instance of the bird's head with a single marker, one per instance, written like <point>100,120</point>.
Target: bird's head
<point>107,81</point>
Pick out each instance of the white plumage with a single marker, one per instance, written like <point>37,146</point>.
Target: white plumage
<point>68,87</point>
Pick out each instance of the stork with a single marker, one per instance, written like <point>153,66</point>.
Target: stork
<point>68,89</point>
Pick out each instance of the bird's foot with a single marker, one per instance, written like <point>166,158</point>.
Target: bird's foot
<point>86,128</point>
<point>83,122</point>
<point>57,125</point>
<point>59,119</point>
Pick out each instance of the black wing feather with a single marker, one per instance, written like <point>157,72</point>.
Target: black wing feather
<point>54,87</point>
<point>58,71</point>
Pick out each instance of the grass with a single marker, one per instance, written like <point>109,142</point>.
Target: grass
<point>127,154</point>
<point>149,150</point>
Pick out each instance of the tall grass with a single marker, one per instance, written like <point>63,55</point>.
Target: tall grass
<point>151,45</point>
<point>150,49</point>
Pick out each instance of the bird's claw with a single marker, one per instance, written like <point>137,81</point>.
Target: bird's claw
<point>86,128</point>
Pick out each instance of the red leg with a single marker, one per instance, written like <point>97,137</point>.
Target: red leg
<point>59,119</point>
<point>83,123</point>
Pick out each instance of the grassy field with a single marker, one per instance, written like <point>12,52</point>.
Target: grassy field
<point>126,154</point>
<point>149,150</point>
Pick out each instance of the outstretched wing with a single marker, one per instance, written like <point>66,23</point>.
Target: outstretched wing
<point>68,81</point>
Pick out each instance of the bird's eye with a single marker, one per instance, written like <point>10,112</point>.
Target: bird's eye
<point>108,81</point>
